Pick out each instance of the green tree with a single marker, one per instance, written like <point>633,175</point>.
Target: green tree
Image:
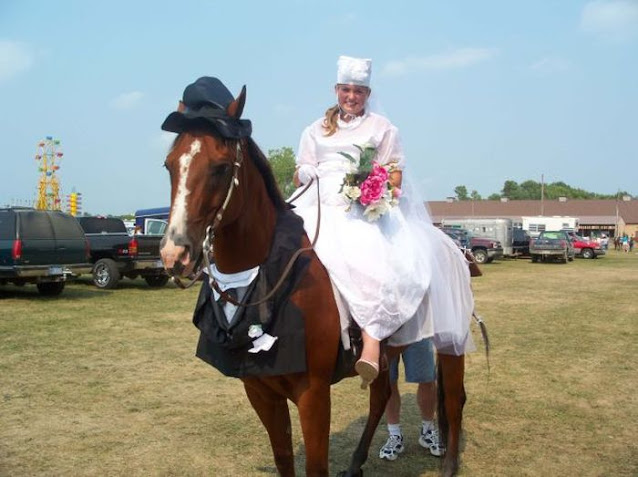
<point>474,195</point>
<point>511,190</point>
<point>461,192</point>
<point>530,190</point>
<point>282,161</point>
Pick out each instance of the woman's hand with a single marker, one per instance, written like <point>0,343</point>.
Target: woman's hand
<point>396,177</point>
<point>304,174</point>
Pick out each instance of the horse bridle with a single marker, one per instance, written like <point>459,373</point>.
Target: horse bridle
<point>207,244</point>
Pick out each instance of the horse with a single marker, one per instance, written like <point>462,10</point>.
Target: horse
<point>223,191</point>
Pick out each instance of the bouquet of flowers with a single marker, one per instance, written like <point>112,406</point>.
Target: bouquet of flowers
<point>369,184</point>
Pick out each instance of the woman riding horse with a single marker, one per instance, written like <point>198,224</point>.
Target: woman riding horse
<point>225,204</point>
<point>395,272</point>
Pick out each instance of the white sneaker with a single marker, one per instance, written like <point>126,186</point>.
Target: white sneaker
<point>430,440</point>
<point>392,448</point>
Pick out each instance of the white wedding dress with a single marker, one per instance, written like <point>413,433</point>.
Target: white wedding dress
<point>399,277</point>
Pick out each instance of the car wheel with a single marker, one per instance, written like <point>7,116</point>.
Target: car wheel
<point>587,253</point>
<point>156,281</point>
<point>534,258</point>
<point>480,255</point>
<point>50,288</point>
<point>105,274</point>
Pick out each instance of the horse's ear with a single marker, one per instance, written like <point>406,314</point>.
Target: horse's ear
<point>181,107</point>
<point>235,108</point>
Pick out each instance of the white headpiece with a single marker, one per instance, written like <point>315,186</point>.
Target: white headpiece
<point>355,71</point>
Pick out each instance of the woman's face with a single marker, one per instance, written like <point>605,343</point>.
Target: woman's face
<point>352,98</point>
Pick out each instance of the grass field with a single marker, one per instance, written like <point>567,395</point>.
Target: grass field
<point>105,383</point>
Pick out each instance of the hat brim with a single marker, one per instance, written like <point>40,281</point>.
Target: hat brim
<point>179,122</point>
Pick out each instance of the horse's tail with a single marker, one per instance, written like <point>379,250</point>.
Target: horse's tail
<point>484,335</point>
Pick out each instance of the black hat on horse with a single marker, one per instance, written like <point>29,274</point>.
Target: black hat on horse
<point>205,103</point>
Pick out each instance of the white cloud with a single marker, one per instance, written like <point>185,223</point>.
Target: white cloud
<point>550,64</point>
<point>456,59</point>
<point>15,57</point>
<point>613,20</point>
<point>127,100</point>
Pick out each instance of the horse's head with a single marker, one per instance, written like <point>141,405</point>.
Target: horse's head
<point>202,164</point>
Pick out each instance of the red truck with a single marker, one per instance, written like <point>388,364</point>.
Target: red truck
<point>584,247</point>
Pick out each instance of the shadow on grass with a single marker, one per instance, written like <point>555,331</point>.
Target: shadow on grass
<point>414,461</point>
<point>30,292</point>
<point>78,289</point>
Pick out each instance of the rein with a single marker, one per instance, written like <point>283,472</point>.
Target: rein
<point>207,244</point>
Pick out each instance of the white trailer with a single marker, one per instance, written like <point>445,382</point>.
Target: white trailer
<point>534,225</point>
<point>499,229</point>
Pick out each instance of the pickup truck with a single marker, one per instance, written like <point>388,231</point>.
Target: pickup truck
<point>552,245</point>
<point>485,250</point>
<point>43,247</point>
<point>114,253</point>
<point>583,247</point>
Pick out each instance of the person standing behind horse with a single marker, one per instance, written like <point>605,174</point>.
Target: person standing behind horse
<point>381,269</point>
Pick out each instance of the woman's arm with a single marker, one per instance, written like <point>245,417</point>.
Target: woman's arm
<point>306,159</point>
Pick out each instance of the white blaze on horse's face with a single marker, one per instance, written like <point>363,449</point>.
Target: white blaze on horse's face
<point>176,234</point>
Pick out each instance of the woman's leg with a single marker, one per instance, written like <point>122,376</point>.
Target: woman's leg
<point>368,365</point>
<point>371,348</point>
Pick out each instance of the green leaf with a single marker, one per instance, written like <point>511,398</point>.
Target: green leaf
<point>348,156</point>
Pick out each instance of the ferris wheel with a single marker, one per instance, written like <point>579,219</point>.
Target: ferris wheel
<point>49,157</point>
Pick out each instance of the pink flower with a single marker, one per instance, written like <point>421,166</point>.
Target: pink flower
<point>380,171</point>
<point>372,188</point>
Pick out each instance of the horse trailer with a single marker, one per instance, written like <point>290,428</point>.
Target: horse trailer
<point>499,229</point>
<point>534,225</point>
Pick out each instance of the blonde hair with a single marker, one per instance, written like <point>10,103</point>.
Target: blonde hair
<point>330,121</point>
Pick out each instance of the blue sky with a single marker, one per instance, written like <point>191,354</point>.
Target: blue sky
<point>482,92</point>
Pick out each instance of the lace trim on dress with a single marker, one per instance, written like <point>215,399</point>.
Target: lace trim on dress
<point>353,123</point>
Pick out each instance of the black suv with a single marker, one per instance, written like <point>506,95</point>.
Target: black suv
<point>41,247</point>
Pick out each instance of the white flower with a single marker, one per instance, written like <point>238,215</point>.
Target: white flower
<point>376,210</point>
<point>255,331</point>
<point>352,192</point>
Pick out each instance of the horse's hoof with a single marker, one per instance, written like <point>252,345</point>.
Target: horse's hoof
<point>345,473</point>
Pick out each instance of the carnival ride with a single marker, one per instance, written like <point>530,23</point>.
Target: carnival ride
<point>49,156</point>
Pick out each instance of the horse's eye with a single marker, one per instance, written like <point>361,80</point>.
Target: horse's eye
<point>165,165</point>
<point>220,170</point>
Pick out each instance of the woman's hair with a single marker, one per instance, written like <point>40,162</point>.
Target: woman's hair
<point>330,121</point>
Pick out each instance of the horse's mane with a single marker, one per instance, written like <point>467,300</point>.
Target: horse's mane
<point>263,166</point>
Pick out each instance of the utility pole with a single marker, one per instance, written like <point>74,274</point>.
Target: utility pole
<point>616,233</point>
<point>542,194</point>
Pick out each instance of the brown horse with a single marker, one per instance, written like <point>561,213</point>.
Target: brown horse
<point>206,168</point>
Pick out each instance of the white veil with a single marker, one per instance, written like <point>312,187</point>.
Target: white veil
<point>449,299</point>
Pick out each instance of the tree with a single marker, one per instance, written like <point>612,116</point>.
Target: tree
<point>510,190</point>
<point>282,161</point>
<point>530,190</point>
<point>461,192</point>
<point>475,195</point>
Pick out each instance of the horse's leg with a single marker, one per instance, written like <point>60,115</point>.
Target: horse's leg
<point>451,370</point>
<point>379,395</point>
<point>273,412</point>
<point>313,404</point>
